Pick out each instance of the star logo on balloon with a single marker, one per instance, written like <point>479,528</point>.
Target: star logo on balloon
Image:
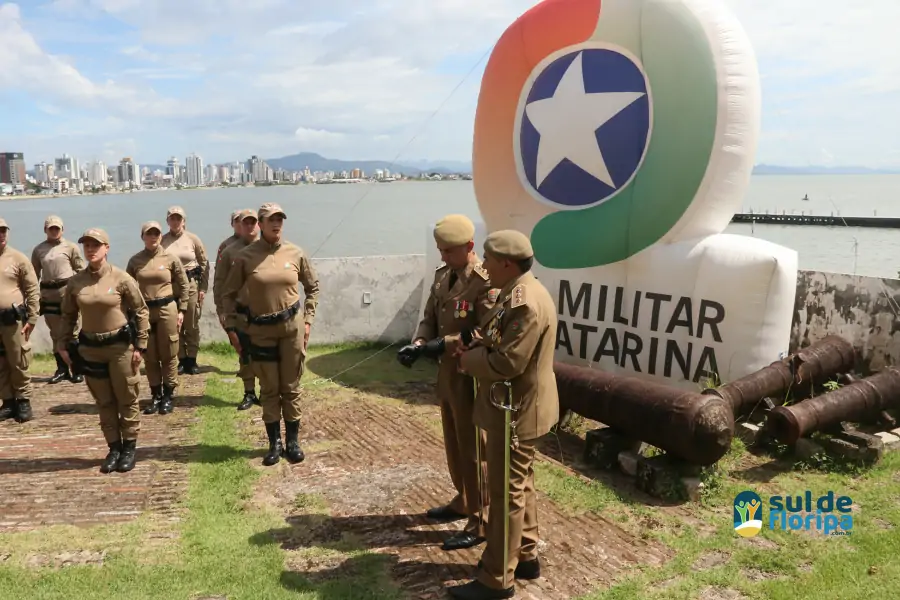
<point>583,127</point>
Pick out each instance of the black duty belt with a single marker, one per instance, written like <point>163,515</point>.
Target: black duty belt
<point>11,316</point>
<point>194,274</point>
<point>50,308</point>
<point>160,302</point>
<point>279,317</point>
<point>54,285</point>
<point>117,337</point>
<point>241,309</point>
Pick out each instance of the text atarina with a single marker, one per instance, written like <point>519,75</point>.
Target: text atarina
<point>660,354</point>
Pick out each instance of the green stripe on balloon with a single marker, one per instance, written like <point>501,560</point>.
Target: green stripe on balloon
<point>682,74</point>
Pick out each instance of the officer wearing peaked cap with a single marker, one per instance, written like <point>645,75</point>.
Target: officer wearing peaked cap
<point>19,306</point>
<point>460,296</point>
<point>190,250</point>
<point>110,346</point>
<point>164,285</point>
<point>268,274</point>
<point>249,234</point>
<point>55,261</point>
<point>517,403</point>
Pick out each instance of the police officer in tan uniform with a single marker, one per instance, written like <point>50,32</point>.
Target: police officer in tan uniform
<point>249,233</point>
<point>19,306</point>
<point>109,349</point>
<point>190,250</point>
<point>267,273</point>
<point>236,227</point>
<point>55,260</point>
<point>164,287</point>
<point>460,297</point>
<point>512,359</point>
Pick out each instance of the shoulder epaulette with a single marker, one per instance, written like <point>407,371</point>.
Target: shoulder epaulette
<point>481,272</point>
<point>518,296</point>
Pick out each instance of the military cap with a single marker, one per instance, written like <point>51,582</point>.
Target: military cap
<point>234,215</point>
<point>176,210</point>
<point>150,225</point>
<point>3,223</point>
<point>510,244</point>
<point>98,235</point>
<point>269,209</point>
<point>53,221</point>
<point>247,213</point>
<point>454,230</point>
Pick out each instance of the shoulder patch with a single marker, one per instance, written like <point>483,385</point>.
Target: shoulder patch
<point>441,266</point>
<point>518,296</point>
<point>493,294</point>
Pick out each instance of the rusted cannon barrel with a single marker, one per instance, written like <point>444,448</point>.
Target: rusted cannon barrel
<point>809,367</point>
<point>688,425</point>
<point>861,401</point>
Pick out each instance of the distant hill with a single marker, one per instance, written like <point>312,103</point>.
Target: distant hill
<point>317,162</point>
<point>814,170</point>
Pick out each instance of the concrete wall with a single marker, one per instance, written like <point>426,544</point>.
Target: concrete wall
<point>863,310</point>
<point>372,298</point>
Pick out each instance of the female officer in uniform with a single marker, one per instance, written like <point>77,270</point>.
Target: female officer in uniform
<point>277,325</point>
<point>164,286</point>
<point>110,346</point>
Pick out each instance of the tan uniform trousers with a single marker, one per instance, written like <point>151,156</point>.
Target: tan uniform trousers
<point>15,382</point>
<point>245,371</point>
<point>162,347</point>
<point>456,394</point>
<point>117,395</point>
<point>54,297</point>
<point>189,344</point>
<point>279,381</point>
<point>523,525</point>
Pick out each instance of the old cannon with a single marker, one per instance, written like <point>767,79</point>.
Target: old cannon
<point>688,425</point>
<point>797,376</point>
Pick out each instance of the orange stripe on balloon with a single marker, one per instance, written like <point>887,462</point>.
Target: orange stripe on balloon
<point>544,29</point>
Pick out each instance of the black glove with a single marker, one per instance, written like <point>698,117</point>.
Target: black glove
<point>407,355</point>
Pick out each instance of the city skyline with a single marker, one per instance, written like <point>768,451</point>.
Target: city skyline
<point>103,79</point>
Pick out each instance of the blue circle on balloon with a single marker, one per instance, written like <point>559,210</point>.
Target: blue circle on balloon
<point>622,140</point>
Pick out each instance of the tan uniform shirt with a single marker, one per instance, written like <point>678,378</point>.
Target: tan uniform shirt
<point>189,249</point>
<point>225,243</point>
<point>106,300</point>
<point>53,261</point>
<point>159,275</point>
<point>223,267</point>
<point>271,272</point>
<point>457,301</point>
<point>519,339</point>
<point>18,283</point>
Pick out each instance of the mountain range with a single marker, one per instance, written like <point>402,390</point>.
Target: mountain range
<point>317,162</point>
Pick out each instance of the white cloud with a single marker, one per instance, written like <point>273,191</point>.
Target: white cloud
<point>230,78</point>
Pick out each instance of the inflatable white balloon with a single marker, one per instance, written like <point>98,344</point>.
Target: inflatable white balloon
<point>621,137</point>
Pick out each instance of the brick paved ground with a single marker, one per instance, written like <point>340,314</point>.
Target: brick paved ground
<point>50,466</point>
<point>380,465</point>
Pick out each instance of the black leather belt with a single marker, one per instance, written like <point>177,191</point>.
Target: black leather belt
<point>279,317</point>
<point>89,339</point>
<point>159,302</point>
<point>54,285</point>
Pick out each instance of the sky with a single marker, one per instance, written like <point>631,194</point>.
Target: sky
<point>383,79</point>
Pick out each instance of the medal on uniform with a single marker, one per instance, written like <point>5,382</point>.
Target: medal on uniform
<point>456,310</point>
<point>464,309</point>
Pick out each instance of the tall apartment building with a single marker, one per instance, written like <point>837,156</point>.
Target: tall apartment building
<point>193,166</point>
<point>12,168</point>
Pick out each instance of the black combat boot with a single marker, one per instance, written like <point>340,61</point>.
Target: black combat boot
<point>8,410</point>
<point>62,370</point>
<point>249,400</point>
<point>165,405</point>
<point>181,365</point>
<point>23,410</point>
<point>126,460</point>
<point>275,447</point>
<point>77,378</point>
<point>292,450</point>
<point>155,397</point>
<point>112,459</point>
<point>190,365</point>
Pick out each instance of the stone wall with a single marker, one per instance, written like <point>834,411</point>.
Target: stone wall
<point>863,310</point>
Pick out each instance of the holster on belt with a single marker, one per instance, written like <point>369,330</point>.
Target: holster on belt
<point>194,274</point>
<point>50,308</point>
<point>11,316</point>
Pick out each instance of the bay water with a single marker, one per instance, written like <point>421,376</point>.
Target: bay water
<point>394,218</point>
